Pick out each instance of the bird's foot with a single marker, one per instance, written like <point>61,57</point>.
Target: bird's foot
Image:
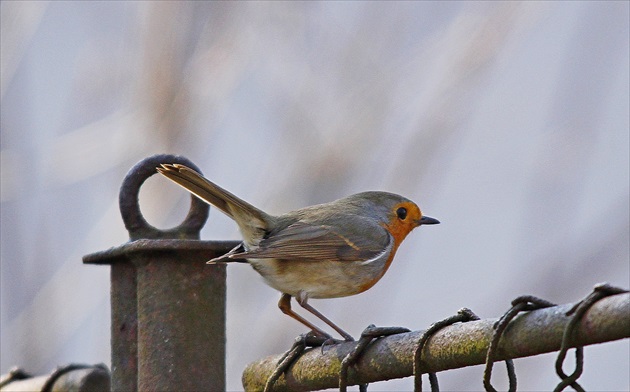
<point>370,333</point>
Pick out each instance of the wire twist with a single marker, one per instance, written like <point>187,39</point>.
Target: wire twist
<point>463,315</point>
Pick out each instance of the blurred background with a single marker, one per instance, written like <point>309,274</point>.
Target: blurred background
<point>507,121</point>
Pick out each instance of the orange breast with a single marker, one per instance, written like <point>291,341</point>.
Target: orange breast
<point>388,262</point>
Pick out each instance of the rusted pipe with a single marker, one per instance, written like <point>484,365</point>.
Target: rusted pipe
<point>78,378</point>
<point>168,306</point>
<point>456,346</point>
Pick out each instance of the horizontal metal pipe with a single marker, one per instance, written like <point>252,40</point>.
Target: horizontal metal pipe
<point>456,346</point>
<point>92,379</point>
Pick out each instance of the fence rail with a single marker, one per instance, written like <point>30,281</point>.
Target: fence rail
<point>460,345</point>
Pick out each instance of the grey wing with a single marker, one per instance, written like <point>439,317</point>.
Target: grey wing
<point>359,239</point>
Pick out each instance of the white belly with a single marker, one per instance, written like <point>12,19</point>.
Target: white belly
<point>318,279</point>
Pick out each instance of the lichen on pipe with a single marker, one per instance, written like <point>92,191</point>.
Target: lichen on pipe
<point>456,346</point>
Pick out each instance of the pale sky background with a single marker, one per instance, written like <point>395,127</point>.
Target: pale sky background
<point>508,121</point>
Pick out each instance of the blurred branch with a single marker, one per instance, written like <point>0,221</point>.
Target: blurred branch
<point>18,23</point>
<point>453,347</point>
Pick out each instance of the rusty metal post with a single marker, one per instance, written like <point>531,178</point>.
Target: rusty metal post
<point>168,306</point>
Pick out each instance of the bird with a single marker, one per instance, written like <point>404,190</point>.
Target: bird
<point>330,250</point>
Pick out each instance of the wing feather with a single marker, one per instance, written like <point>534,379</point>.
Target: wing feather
<point>359,240</point>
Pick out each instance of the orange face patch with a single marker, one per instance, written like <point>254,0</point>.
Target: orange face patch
<point>401,222</point>
<point>404,218</point>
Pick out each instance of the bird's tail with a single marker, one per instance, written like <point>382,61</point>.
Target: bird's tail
<point>241,211</point>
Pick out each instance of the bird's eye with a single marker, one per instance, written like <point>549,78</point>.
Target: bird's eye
<point>402,213</point>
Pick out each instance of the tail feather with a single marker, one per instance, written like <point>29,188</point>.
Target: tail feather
<point>226,258</point>
<point>209,192</point>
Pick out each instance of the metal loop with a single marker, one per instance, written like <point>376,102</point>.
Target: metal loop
<point>367,336</point>
<point>135,223</point>
<point>300,344</point>
<point>600,291</point>
<point>463,315</point>
<point>519,304</point>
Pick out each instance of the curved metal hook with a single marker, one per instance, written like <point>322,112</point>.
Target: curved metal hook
<point>134,221</point>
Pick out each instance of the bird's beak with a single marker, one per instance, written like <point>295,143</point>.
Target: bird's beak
<point>427,220</point>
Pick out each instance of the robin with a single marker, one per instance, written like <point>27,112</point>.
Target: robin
<point>330,250</point>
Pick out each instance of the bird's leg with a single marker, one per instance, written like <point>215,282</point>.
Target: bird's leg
<point>302,299</point>
<point>285,306</point>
